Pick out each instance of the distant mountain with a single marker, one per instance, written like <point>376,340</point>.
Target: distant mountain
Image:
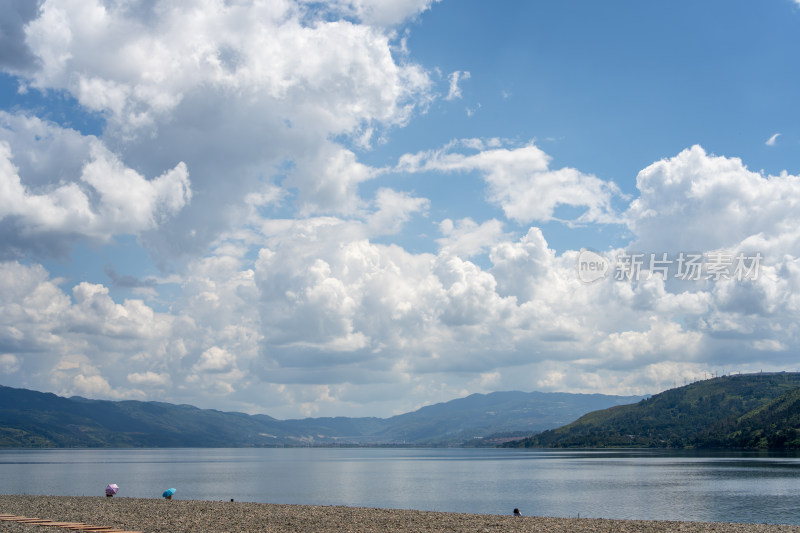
<point>740,411</point>
<point>35,419</point>
<point>30,419</point>
<point>489,416</point>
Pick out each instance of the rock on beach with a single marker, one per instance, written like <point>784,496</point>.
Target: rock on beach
<point>157,515</point>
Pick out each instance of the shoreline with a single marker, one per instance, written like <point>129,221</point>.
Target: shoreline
<point>157,515</point>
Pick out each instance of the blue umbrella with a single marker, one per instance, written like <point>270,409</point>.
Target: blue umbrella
<point>168,493</point>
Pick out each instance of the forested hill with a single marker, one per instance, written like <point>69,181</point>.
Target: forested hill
<point>758,411</point>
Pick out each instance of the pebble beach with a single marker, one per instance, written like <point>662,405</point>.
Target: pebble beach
<point>158,515</point>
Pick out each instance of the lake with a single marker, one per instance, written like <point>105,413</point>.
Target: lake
<point>631,484</point>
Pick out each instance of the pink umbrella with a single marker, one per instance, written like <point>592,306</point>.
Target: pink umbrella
<point>111,489</point>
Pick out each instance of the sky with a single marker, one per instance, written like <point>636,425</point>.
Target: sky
<point>360,207</point>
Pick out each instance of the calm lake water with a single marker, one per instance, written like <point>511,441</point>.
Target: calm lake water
<point>607,484</point>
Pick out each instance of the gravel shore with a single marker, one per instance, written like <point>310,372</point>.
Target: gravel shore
<point>157,515</point>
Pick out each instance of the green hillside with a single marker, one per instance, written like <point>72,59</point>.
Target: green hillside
<point>740,411</point>
<point>775,425</point>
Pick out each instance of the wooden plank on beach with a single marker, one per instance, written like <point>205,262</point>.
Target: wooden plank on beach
<point>101,529</point>
<point>72,526</point>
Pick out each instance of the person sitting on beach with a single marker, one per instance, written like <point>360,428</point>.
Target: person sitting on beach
<point>516,512</point>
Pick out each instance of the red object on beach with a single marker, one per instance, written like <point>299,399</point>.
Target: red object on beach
<point>111,489</point>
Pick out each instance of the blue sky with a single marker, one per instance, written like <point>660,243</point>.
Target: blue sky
<point>360,207</point>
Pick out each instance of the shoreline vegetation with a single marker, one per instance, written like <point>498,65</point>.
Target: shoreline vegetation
<point>158,515</point>
<point>734,412</point>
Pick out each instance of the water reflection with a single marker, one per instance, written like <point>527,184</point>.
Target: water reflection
<point>637,484</point>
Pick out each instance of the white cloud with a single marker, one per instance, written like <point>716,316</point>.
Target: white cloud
<point>521,182</point>
<point>325,318</point>
<point>32,309</point>
<point>127,200</point>
<point>328,182</point>
<point>269,106</point>
<point>772,140</point>
<point>152,379</point>
<point>382,12</point>
<point>141,66</point>
<point>325,308</point>
<point>455,78</point>
<point>9,363</point>
<point>465,238</point>
<point>662,340</point>
<point>247,95</point>
<point>106,198</point>
<point>92,386</point>
<point>94,312</point>
<point>83,347</point>
<point>700,202</point>
<point>768,345</point>
<point>393,210</point>
<point>215,359</point>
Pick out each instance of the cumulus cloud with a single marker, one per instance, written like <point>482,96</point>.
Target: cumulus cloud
<point>215,359</point>
<point>392,210</point>
<point>104,198</point>
<point>140,66</point>
<point>139,205</point>
<point>82,346</point>
<point>322,306</point>
<point>92,386</point>
<point>247,95</point>
<point>328,181</point>
<point>521,182</point>
<point>324,317</point>
<point>466,238</point>
<point>150,379</point>
<point>94,312</point>
<point>701,202</point>
<point>664,339</point>
<point>233,149</point>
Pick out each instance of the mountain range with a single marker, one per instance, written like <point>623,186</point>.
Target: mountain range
<point>31,419</point>
<point>750,411</point>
